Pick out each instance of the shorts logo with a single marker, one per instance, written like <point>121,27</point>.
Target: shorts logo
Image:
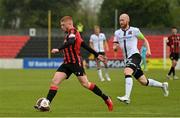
<point>78,73</point>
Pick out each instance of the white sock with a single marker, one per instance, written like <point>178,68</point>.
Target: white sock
<point>154,83</point>
<point>100,73</point>
<point>129,84</point>
<point>106,73</point>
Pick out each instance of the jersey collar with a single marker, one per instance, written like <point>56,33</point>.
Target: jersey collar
<point>126,29</point>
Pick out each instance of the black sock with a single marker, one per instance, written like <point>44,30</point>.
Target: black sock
<point>170,71</point>
<point>51,94</point>
<point>173,71</point>
<point>98,92</point>
<point>106,66</point>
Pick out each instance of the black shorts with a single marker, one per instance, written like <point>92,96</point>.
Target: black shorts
<point>71,68</point>
<point>174,56</point>
<point>133,62</point>
<point>102,53</point>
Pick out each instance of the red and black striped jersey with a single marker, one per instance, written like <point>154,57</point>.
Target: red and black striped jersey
<point>174,43</point>
<point>72,52</point>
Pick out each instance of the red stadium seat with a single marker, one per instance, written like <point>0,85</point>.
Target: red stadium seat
<point>11,45</point>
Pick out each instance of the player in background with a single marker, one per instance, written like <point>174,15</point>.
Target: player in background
<point>73,63</point>
<point>98,43</point>
<point>127,38</point>
<point>174,43</point>
<point>143,56</point>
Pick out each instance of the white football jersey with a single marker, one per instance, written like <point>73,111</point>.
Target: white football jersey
<point>127,40</point>
<point>98,42</point>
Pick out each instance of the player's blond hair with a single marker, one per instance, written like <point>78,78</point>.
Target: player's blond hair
<point>66,18</point>
<point>97,27</point>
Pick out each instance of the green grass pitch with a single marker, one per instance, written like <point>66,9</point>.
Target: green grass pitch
<point>19,90</point>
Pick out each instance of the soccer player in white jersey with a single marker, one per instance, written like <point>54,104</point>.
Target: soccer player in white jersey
<point>127,38</point>
<point>98,43</point>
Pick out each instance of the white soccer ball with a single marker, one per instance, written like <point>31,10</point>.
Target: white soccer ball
<point>43,104</point>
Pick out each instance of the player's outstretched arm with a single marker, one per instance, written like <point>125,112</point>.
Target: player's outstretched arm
<point>89,49</point>
<point>66,44</point>
<point>55,50</point>
<point>147,46</point>
<point>141,36</point>
<point>101,58</point>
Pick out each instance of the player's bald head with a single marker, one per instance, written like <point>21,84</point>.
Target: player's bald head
<point>124,21</point>
<point>125,17</point>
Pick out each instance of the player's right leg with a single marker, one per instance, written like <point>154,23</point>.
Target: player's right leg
<point>57,79</point>
<point>61,74</point>
<point>128,85</point>
<point>96,90</point>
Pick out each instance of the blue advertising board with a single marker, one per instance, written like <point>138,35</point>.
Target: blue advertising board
<point>38,63</point>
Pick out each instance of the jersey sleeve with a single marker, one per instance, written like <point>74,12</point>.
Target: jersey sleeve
<point>115,40</point>
<point>169,41</point>
<point>91,38</point>
<point>104,37</point>
<point>68,43</point>
<point>138,34</point>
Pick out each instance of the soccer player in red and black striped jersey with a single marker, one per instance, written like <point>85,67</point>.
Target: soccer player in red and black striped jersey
<point>174,43</point>
<point>73,62</point>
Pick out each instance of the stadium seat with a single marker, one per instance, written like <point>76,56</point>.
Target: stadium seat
<point>11,45</point>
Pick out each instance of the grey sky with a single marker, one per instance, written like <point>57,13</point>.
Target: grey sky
<point>93,5</point>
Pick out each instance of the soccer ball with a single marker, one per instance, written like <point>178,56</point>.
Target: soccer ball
<point>42,104</point>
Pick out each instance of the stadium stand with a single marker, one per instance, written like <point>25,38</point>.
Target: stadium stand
<point>11,45</point>
<point>156,44</point>
<point>38,47</point>
<point>25,46</point>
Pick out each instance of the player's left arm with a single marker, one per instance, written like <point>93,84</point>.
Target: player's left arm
<point>88,48</point>
<point>141,36</point>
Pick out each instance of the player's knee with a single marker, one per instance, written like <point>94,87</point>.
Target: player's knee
<point>174,64</point>
<point>143,81</point>
<point>85,84</point>
<point>128,71</point>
